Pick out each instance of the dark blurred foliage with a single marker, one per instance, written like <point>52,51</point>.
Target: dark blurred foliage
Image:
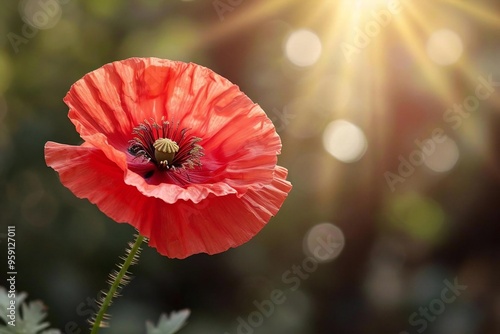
<point>400,247</point>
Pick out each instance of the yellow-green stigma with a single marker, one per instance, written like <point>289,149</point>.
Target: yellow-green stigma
<point>165,150</point>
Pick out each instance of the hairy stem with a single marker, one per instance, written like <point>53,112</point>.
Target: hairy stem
<point>117,280</point>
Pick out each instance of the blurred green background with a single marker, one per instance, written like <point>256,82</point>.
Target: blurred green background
<point>354,88</point>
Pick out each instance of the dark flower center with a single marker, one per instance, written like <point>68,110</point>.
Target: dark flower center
<point>165,146</point>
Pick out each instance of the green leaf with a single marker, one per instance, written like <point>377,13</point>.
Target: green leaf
<point>168,324</point>
<point>27,321</point>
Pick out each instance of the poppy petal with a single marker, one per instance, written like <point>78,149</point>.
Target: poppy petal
<point>109,102</point>
<point>176,230</point>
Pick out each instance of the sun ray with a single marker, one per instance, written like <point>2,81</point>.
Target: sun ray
<point>241,18</point>
<point>332,63</point>
<point>466,68</point>
<point>379,68</point>
<point>483,14</point>
<point>414,43</point>
<point>463,65</point>
<point>339,35</point>
<point>437,78</point>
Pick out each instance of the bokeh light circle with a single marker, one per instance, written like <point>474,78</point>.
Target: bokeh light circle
<point>324,242</point>
<point>444,158</point>
<point>420,217</point>
<point>444,47</point>
<point>344,141</point>
<point>40,14</point>
<point>303,47</point>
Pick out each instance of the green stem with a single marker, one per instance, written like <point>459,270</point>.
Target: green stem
<point>122,274</point>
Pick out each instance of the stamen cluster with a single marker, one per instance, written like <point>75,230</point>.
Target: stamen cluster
<point>165,145</point>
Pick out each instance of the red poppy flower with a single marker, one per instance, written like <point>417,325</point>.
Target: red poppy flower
<point>175,150</point>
